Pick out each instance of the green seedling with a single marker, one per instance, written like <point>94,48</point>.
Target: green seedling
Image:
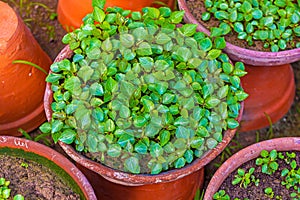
<point>292,176</point>
<point>5,191</point>
<point>275,23</point>
<point>25,165</point>
<point>288,157</point>
<point>267,161</point>
<point>295,195</point>
<point>244,179</point>
<point>139,85</point>
<point>221,195</point>
<point>269,192</point>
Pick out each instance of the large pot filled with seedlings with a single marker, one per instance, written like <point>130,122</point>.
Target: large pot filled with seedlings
<point>136,94</point>
<point>262,33</point>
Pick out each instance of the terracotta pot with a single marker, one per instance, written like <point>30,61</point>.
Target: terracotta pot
<point>46,154</point>
<point>21,86</point>
<point>251,57</point>
<point>174,184</point>
<point>247,154</point>
<point>271,94</point>
<point>71,12</point>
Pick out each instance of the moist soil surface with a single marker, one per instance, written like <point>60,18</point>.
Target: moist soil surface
<point>33,180</point>
<point>257,192</point>
<point>49,33</point>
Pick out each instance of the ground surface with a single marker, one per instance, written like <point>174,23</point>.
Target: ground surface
<point>48,32</point>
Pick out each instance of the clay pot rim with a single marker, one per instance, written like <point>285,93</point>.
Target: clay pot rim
<point>246,154</point>
<point>233,49</point>
<point>54,156</point>
<point>124,178</point>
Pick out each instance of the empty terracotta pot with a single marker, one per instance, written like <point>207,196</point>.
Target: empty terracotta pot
<point>247,154</point>
<point>71,12</point>
<point>271,94</point>
<point>109,183</point>
<point>251,57</point>
<point>51,159</point>
<point>21,86</point>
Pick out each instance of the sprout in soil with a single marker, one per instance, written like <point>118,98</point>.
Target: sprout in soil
<point>143,93</point>
<point>245,178</point>
<point>5,191</point>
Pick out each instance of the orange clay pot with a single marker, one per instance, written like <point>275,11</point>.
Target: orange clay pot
<point>21,86</point>
<point>271,93</point>
<point>110,184</point>
<point>245,155</point>
<point>71,12</point>
<point>49,158</point>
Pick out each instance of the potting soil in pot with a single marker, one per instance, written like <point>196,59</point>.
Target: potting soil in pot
<point>257,192</point>
<point>33,180</point>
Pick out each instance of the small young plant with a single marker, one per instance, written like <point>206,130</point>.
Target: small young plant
<point>244,179</point>
<point>267,161</point>
<point>296,195</point>
<point>221,195</point>
<point>288,157</point>
<point>275,23</point>
<point>269,192</point>
<point>5,191</point>
<point>292,176</point>
<point>25,165</point>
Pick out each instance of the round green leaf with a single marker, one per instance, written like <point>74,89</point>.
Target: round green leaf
<point>132,165</point>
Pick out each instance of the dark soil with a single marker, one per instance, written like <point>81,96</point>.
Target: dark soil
<point>289,125</point>
<point>197,7</point>
<point>34,181</point>
<point>257,192</point>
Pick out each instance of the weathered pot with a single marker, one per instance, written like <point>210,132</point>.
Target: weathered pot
<point>271,94</point>
<point>21,86</point>
<point>71,12</point>
<point>250,57</point>
<point>174,184</point>
<point>247,154</point>
<point>34,151</point>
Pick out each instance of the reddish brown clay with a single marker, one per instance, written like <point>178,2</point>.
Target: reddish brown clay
<point>111,184</point>
<point>71,12</point>
<point>271,93</point>
<point>21,86</point>
<point>246,154</point>
<point>53,156</point>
